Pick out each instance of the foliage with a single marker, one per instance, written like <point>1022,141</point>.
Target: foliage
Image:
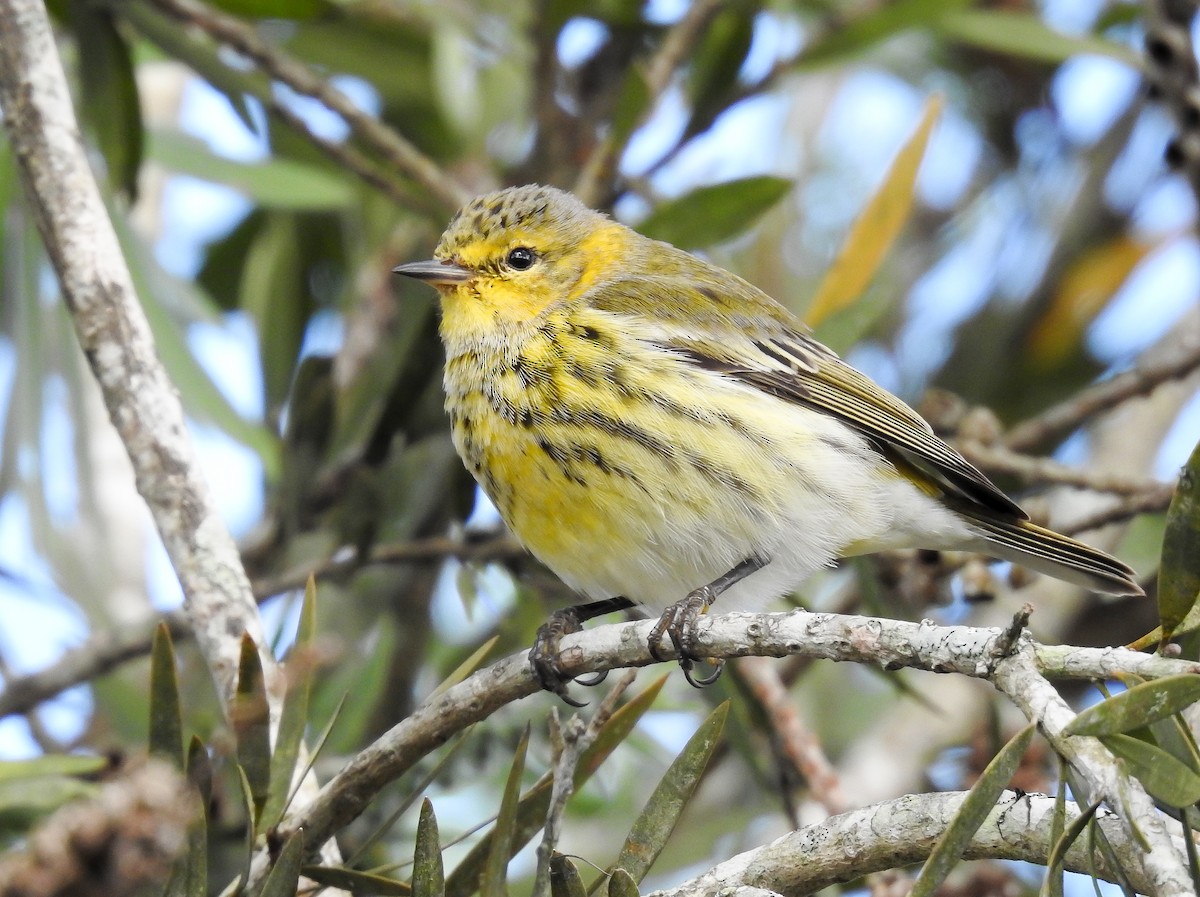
<point>722,130</point>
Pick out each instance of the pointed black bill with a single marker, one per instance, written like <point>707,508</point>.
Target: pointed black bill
<point>435,272</point>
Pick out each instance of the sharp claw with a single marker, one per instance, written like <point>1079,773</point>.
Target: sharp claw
<point>593,680</point>
<point>703,681</point>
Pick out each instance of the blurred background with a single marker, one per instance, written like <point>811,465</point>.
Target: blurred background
<point>1050,245</point>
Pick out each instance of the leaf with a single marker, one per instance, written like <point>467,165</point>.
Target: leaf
<point>467,667</point>
<point>564,878</point>
<point>428,878</point>
<point>110,105</point>
<point>980,801</point>
<point>862,33</point>
<point>285,873</point>
<point>293,10</point>
<point>251,719</point>
<point>52,765</point>
<point>1164,777</point>
<point>877,227</point>
<point>713,214</point>
<point>531,815</point>
<point>1082,293</point>
<point>1179,571</point>
<point>495,871</point>
<point>1138,706</point>
<point>1062,843</point>
<point>166,719</point>
<point>276,183</point>
<point>199,770</point>
<point>658,818</point>
<point>1052,882</point>
<point>1026,35</point>
<point>621,884</point>
<point>356,882</point>
<point>294,715</point>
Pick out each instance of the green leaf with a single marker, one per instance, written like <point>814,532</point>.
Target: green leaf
<point>1052,882</point>
<point>1026,35</point>
<point>276,183</point>
<point>856,37</point>
<point>25,800</point>
<point>711,80</point>
<point>293,10</point>
<point>428,878</point>
<point>1164,777</point>
<point>52,765</point>
<point>658,818</point>
<point>621,884</point>
<point>251,718</point>
<point>285,873</point>
<point>495,871</point>
<point>1062,843</point>
<point>356,882</point>
<point>110,105</point>
<point>980,801</point>
<point>199,770</point>
<point>1179,572</point>
<point>166,719</point>
<point>564,878</point>
<point>713,214</point>
<point>294,716</point>
<point>1138,706</point>
<point>531,815</point>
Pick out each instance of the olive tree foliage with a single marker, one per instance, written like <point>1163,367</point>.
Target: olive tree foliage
<point>940,189</point>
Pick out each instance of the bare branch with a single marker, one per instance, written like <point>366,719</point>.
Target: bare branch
<point>1030,469</point>
<point>116,339</point>
<point>396,152</point>
<point>102,652</point>
<point>1176,363</point>
<point>901,832</point>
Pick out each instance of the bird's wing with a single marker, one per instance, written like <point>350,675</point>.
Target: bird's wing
<point>769,349</point>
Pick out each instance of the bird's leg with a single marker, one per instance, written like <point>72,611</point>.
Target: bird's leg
<point>545,659</point>
<point>678,621</point>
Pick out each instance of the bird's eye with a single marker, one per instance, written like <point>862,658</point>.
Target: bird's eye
<point>520,259</point>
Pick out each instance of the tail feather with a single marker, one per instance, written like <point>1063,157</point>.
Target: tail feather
<point>1054,554</point>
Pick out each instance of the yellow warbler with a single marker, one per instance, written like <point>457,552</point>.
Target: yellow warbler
<point>654,428</point>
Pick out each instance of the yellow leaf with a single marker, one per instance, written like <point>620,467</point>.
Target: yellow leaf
<point>1086,288</point>
<point>877,227</point>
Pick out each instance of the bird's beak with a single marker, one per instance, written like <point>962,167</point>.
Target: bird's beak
<point>435,272</point>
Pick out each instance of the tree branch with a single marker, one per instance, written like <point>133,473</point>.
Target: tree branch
<point>116,339</point>
<point>901,832</point>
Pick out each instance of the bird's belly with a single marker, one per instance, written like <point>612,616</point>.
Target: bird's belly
<point>653,503</point>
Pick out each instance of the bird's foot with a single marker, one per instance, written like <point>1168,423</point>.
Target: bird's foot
<point>545,657</point>
<point>678,623</point>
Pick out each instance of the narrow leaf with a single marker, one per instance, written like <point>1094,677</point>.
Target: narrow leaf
<point>285,873</point>
<point>1179,572</point>
<point>294,716</point>
<point>980,801</point>
<point>531,815</point>
<point>877,227</point>
<point>1026,35</point>
<point>1063,842</point>
<point>495,871</point>
<point>166,718</point>
<point>1138,706</point>
<point>199,770</point>
<point>356,882</point>
<point>252,727</point>
<point>564,878</point>
<point>467,667</point>
<point>658,818</point>
<point>52,765</point>
<point>713,214</point>
<point>621,884</point>
<point>1164,777</point>
<point>428,878</point>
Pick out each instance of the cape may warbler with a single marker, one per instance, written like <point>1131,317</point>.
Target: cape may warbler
<point>652,427</point>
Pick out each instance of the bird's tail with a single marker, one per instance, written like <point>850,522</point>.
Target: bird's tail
<point>1052,553</point>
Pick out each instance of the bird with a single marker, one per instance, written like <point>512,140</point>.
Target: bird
<point>661,433</point>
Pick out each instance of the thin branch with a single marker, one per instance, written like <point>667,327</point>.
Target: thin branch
<point>892,644</point>
<point>675,49</point>
<point>102,652</point>
<point>1162,862</point>
<point>1061,419</point>
<point>902,832</point>
<point>1044,471</point>
<point>1128,506</point>
<point>395,150</point>
<point>116,339</point>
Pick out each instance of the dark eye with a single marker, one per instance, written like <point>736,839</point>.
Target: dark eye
<point>520,259</point>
